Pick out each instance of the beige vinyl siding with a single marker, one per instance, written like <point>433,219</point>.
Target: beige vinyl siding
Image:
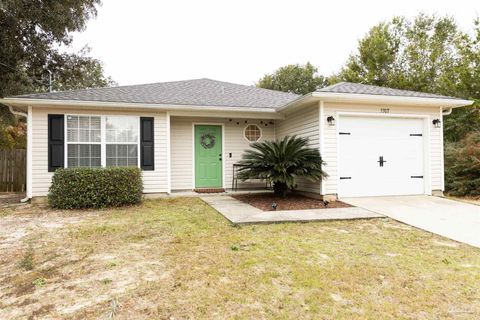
<point>303,123</point>
<point>234,142</point>
<point>154,181</point>
<point>330,139</point>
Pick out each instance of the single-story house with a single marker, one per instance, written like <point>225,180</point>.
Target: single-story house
<point>187,135</point>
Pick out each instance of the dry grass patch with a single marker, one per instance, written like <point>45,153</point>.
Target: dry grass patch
<point>472,200</point>
<point>178,258</point>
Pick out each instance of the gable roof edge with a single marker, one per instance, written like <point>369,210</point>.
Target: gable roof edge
<point>376,99</point>
<point>103,104</point>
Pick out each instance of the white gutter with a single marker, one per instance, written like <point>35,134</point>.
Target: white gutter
<point>447,112</point>
<point>377,99</point>
<point>369,98</point>
<point>18,113</point>
<point>165,107</point>
<point>29,153</point>
<point>314,96</point>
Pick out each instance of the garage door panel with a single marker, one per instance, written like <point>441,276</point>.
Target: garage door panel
<point>365,141</point>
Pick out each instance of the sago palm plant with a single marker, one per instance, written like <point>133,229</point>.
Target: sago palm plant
<point>281,162</point>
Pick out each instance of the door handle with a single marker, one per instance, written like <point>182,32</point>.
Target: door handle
<point>381,161</point>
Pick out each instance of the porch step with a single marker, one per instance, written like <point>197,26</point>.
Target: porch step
<point>209,190</point>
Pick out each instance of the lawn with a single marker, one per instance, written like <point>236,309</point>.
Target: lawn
<point>179,259</point>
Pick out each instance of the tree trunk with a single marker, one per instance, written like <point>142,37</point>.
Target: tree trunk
<point>280,189</point>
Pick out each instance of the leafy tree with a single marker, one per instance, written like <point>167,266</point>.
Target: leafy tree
<point>14,136</point>
<point>294,78</point>
<point>463,121</point>
<point>463,160</point>
<point>429,54</point>
<point>78,71</point>
<point>281,162</point>
<point>32,34</point>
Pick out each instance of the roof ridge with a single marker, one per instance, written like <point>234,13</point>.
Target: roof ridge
<point>250,86</point>
<point>201,91</point>
<point>380,88</point>
<point>160,83</point>
<point>114,87</point>
<point>333,85</point>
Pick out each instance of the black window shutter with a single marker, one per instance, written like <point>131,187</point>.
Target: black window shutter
<point>147,160</point>
<point>56,146</point>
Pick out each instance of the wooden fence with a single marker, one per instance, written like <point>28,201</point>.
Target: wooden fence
<point>13,168</point>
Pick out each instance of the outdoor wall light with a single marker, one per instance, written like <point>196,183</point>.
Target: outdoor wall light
<point>331,121</point>
<point>437,123</point>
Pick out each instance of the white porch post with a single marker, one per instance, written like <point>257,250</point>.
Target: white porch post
<point>169,169</point>
<point>29,151</point>
<point>321,127</point>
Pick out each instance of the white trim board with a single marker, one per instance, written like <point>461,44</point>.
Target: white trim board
<point>321,125</point>
<point>30,152</point>
<point>169,154</point>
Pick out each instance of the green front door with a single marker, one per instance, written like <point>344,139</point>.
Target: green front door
<point>208,156</point>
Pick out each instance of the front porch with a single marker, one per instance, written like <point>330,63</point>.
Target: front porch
<point>204,151</point>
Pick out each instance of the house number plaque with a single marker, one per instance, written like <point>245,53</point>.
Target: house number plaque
<point>385,110</point>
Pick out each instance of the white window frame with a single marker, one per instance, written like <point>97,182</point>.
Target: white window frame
<point>66,142</point>
<point>245,132</point>
<point>103,137</point>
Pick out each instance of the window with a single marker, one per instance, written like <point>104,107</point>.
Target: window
<point>84,141</point>
<point>122,138</point>
<point>252,133</point>
<point>95,141</point>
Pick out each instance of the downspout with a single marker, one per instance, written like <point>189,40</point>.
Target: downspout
<point>443,113</point>
<point>448,112</point>
<point>18,113</point>
<point>23,114</point>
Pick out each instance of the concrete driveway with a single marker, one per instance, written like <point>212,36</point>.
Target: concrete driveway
<point>452,219</point>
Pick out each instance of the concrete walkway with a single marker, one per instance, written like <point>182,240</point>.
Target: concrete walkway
<point>452,219</point>
<point>240,212</point>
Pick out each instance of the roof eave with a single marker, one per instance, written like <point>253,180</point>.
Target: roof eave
<point>99,104</point>
<point>377,99</point>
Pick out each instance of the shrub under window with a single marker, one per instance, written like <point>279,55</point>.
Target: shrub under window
<point>75,188</point>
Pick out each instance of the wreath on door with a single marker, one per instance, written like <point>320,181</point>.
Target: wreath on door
<point>207,141</point>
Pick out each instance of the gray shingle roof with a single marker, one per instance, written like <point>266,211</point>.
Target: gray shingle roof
<point>357,88</point>
<point>199,92</point>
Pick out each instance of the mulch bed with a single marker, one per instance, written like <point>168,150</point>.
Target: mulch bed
<point>264,202</point>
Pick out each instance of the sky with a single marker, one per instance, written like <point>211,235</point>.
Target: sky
<point>145,41</point>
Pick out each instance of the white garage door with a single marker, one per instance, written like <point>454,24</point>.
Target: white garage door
<point>380,156</point>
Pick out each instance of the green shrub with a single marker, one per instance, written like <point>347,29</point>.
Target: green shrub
<point>76,188</point>
<point>462,166</point>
